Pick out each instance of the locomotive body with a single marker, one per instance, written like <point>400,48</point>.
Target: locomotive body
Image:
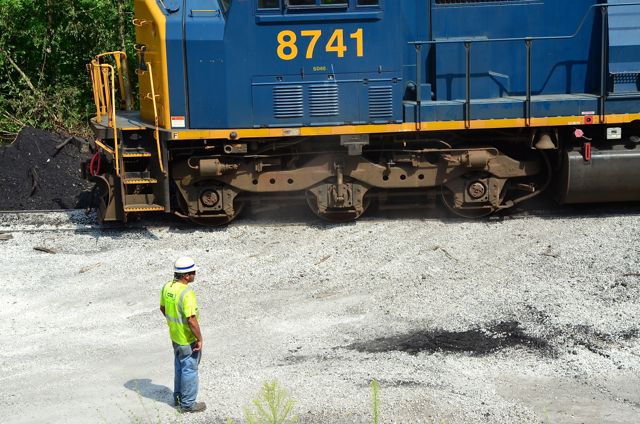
<point>344,101</point>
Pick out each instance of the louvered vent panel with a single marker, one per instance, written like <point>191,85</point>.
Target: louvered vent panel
<point>288,102</point>
<point>380,102</point>
<point>323,100</point>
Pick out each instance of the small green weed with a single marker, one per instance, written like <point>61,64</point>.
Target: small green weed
<point>272,406</point>
<point>375,401</point>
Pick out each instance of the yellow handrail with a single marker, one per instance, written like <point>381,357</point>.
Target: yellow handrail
<point>104,93</point>
<point>105,147</point>
<point>155,114</point>
<point>122,67</point>
<point>113,121</point>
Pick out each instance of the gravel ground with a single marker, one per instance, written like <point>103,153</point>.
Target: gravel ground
<point>524,320</point>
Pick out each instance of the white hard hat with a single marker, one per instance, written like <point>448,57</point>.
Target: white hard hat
<point>184,265</point>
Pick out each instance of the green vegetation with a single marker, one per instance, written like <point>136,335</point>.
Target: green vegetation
<point>44,48</point>
<point>272,406</point>
<point>375,401</point>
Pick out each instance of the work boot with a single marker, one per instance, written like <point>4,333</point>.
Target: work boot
<point>196,407</point>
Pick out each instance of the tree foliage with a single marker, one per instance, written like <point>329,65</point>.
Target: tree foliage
<point>44,48</point>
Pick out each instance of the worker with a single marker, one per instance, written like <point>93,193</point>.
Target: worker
<point>179,306</point>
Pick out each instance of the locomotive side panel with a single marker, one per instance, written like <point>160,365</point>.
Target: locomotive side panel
<point>334,64</point>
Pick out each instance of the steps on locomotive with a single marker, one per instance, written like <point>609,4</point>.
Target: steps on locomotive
<point>140,173</point>
<point>143,207</point>
<point>133,178</point>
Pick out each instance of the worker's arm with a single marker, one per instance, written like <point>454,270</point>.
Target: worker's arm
<point>162,301</point>
<point>195,328</point>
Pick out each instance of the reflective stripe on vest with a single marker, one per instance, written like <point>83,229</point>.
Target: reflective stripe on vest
<point>176,320</point>
<point>181,300</point>
<point>180,320</point>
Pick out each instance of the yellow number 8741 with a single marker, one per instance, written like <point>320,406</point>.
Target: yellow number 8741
<point>288,49</point>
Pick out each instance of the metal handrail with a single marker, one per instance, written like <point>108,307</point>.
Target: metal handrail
<point>121,60</point>
<point>467,42</point>
<point>156,133</point>
<point>104,147</point>
<point>104,93</point>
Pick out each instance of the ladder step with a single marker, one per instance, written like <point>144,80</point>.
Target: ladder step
<point>136,155</point>
<point>135,152</point>
<point>140,175</point>
<point>143,208</point>
<point>131,181</point>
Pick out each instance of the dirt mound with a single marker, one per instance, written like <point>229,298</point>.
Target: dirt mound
<point>35,174</point>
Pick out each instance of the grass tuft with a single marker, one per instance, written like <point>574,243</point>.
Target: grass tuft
<point>272,406</point>
<point>375,401</point>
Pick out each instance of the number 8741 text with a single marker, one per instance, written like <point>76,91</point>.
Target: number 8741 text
<point>288,43</point>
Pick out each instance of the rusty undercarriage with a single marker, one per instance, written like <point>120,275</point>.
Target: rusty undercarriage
<point>210,181</point>
<point>337,185</point>
<point>140,165</point>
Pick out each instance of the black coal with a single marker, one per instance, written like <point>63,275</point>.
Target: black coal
<point>34,175</point>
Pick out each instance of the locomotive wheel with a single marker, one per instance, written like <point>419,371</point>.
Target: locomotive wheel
<point>322,201</point>
<point>335,215</point>
<point>210,220</point>
<point>476,196</point>
<point>218,220</point>
<point>465,212</point>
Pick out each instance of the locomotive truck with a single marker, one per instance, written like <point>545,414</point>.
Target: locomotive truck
<point>482,103</point>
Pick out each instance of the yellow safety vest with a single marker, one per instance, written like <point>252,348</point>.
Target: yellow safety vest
<point>179,303</point>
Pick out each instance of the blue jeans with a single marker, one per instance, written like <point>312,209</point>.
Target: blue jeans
<point>185,383</point>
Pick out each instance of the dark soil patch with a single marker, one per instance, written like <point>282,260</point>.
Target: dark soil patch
<point>35,175</point>
<point>478,341</point>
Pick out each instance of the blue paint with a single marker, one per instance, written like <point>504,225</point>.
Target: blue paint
<point>224,69</point>
<point>624,47</point>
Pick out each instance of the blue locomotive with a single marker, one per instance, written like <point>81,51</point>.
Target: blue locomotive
<point>485,103</point>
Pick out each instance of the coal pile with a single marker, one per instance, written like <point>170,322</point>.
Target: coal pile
<point>38,171</point>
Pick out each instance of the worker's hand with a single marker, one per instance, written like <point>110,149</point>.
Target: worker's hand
<point>198,346</point>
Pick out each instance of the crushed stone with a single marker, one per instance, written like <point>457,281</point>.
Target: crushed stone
<point>288,301</point>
